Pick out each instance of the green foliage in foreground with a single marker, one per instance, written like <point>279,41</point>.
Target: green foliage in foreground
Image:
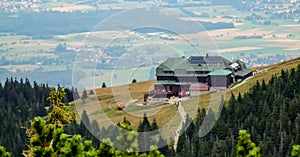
<point>47,138</point>
<point>245,147</point>
<point>296,151</point>
<point>50,140</point>
<point>3,152</point>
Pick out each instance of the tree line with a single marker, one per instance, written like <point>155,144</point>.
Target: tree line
<point>270,112</point>
<point>47,136</point>
<point>20,102</point>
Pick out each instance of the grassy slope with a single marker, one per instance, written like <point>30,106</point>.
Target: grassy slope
<point>109,96</point>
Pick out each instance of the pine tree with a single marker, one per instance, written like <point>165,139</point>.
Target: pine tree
<point>154,125</point>
<point>134,81</point>
<point>59,114</point>
<point>85,125</point>
<point>143,137</point>
<point>75,94</point>
<point>103,85</point>
<point>263,85</point>
<point>91,92</point>
<point>84,95</point>
<point>69,96</point>
<point>145,125</point>
<point>95,129</point>
<point>245,147</point>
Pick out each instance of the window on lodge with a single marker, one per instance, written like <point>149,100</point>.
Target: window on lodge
<point>164,78</point>
<point>169,72</point>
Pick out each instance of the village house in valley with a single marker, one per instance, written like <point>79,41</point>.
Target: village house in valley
<point>188,75</point>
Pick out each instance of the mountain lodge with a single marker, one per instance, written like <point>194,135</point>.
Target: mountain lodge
<point>187,75</point>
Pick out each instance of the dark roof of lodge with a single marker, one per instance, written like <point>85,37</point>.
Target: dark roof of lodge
<point>180,66</point>
<point>173,63</point>
<point>207,60</point>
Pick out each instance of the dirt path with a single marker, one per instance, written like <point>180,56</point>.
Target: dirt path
<point>244,81</point>
<point>130,102</point>
<point>183,115</point>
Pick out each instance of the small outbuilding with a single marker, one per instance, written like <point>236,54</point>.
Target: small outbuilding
<point>220,78</point>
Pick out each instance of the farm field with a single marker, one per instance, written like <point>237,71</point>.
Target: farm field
<point>256,43</point>
<point>15,68</point>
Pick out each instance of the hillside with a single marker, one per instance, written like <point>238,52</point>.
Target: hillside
<point>270,112</point>
<point>107,98</point>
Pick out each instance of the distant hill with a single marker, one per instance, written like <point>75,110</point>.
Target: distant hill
<point>48,24</point>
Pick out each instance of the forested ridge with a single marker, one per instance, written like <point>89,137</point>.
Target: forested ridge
<point>270,112</point>
<point>20,102</point>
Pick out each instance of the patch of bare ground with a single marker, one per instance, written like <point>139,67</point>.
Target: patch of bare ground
<point>99,34</point>
<point>227,34</point>
<point>287,44</point>
<point>14,68</point>
<point>236,49</point>
<point>71,7</point>
<point>213,20</point>
<point>294,25</point>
